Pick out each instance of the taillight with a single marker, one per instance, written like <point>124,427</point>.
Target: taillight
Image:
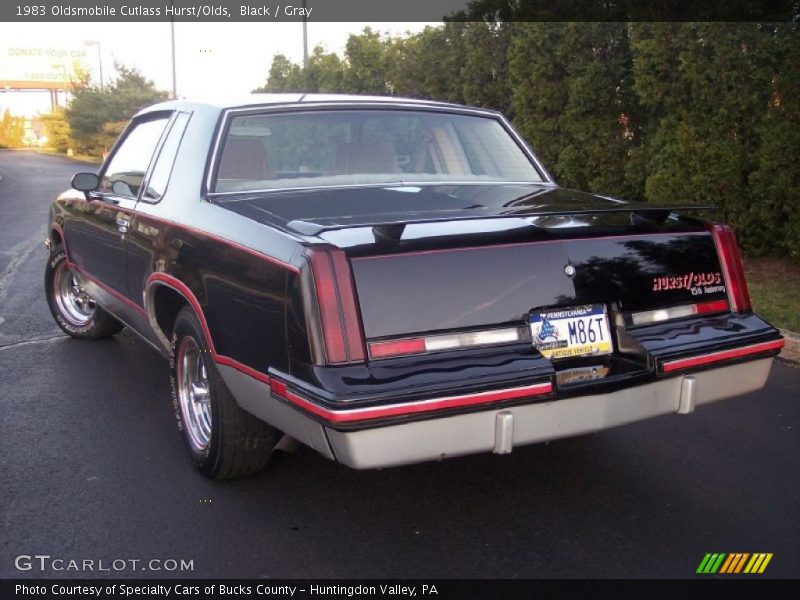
<point>341,326</point>
<point>732,269</point>
<point>676,312</point>
<point>397,348</point>
<point>450,341</point>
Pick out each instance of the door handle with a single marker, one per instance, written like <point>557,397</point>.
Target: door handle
<point>122,224</point>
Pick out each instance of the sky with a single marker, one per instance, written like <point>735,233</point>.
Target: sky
<point>213,59</point>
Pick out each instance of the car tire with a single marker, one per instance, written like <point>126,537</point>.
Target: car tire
<point>223,440</point>
<point>75,312</point>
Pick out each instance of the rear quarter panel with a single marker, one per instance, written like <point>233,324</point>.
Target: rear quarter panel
<point>236,269</point>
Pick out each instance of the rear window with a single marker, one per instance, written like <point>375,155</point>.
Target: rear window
<point>350,147</point>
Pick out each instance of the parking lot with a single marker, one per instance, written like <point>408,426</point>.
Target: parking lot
<point>93,468</point>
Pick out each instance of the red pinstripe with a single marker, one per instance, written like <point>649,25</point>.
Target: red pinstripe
<point>377,412</point>
<point>722,355</point>
<point>200,232</point>
<point>184,291</point>
<point>110,290</point>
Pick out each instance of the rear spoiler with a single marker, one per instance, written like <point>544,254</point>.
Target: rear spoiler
<point>393,230</point>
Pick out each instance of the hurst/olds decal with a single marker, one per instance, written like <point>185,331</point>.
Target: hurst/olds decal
<point>697,283</point>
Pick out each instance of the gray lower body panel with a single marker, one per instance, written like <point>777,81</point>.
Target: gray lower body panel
<point>488,431</point>
<point>255,397</point>
<point>502,429</point>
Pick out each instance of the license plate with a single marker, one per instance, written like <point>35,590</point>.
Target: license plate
<point>573,331</point>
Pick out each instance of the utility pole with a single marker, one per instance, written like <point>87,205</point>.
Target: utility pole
<point>305,36</point>
<point>172,37</point>
<point>99,59</point>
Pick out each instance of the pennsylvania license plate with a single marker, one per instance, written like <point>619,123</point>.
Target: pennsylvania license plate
<point>573,331</point>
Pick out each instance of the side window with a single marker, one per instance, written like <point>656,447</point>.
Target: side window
<point>159,178</point>
<point>125,172</point>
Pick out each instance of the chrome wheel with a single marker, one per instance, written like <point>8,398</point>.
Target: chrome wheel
<point>74,304</point>
<point>194,394</point>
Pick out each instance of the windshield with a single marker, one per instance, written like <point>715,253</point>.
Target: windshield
<point>351,147</point>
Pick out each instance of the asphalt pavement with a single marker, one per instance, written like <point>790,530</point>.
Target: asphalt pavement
<point>92,468</point>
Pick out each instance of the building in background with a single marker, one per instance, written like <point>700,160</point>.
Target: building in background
<point>37,78</point>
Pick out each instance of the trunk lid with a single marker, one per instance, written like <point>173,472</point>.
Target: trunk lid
<point>484,286</point>
<point>452,258</point>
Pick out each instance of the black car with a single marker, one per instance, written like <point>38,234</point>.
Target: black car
<point>391,281</point>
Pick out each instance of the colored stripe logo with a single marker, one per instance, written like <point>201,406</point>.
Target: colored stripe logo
<point>734,563</point>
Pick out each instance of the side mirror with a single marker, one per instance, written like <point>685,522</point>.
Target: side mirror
<point>85,182</point>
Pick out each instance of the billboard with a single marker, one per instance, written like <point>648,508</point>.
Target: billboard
<point>25,66</point>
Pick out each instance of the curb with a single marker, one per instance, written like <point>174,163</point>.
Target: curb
<point>791,350</point>
<point>790,335</point>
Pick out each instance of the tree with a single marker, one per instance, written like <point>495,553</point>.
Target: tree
<point>91,107</point>
<point>571,99</point>
<point>367,70</point>
<point>484,75</point>
<point>283,75</point>
<point>12,130</point>
<point>423,66</point>
<point>324,73</point>
<point>57,130</point>
<point>704,88</point>
<point>596,122</point>
<point>133,92</point>
<point>774,201</point>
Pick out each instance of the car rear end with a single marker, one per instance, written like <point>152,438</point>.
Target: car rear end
<point>451,299</point>
<point>451,350</point>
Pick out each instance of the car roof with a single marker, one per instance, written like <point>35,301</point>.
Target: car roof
<point>254,100</point>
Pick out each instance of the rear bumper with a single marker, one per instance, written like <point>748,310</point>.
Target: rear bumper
<point>491,399</point>
<point>498,429</point>
<point>502,429</point>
